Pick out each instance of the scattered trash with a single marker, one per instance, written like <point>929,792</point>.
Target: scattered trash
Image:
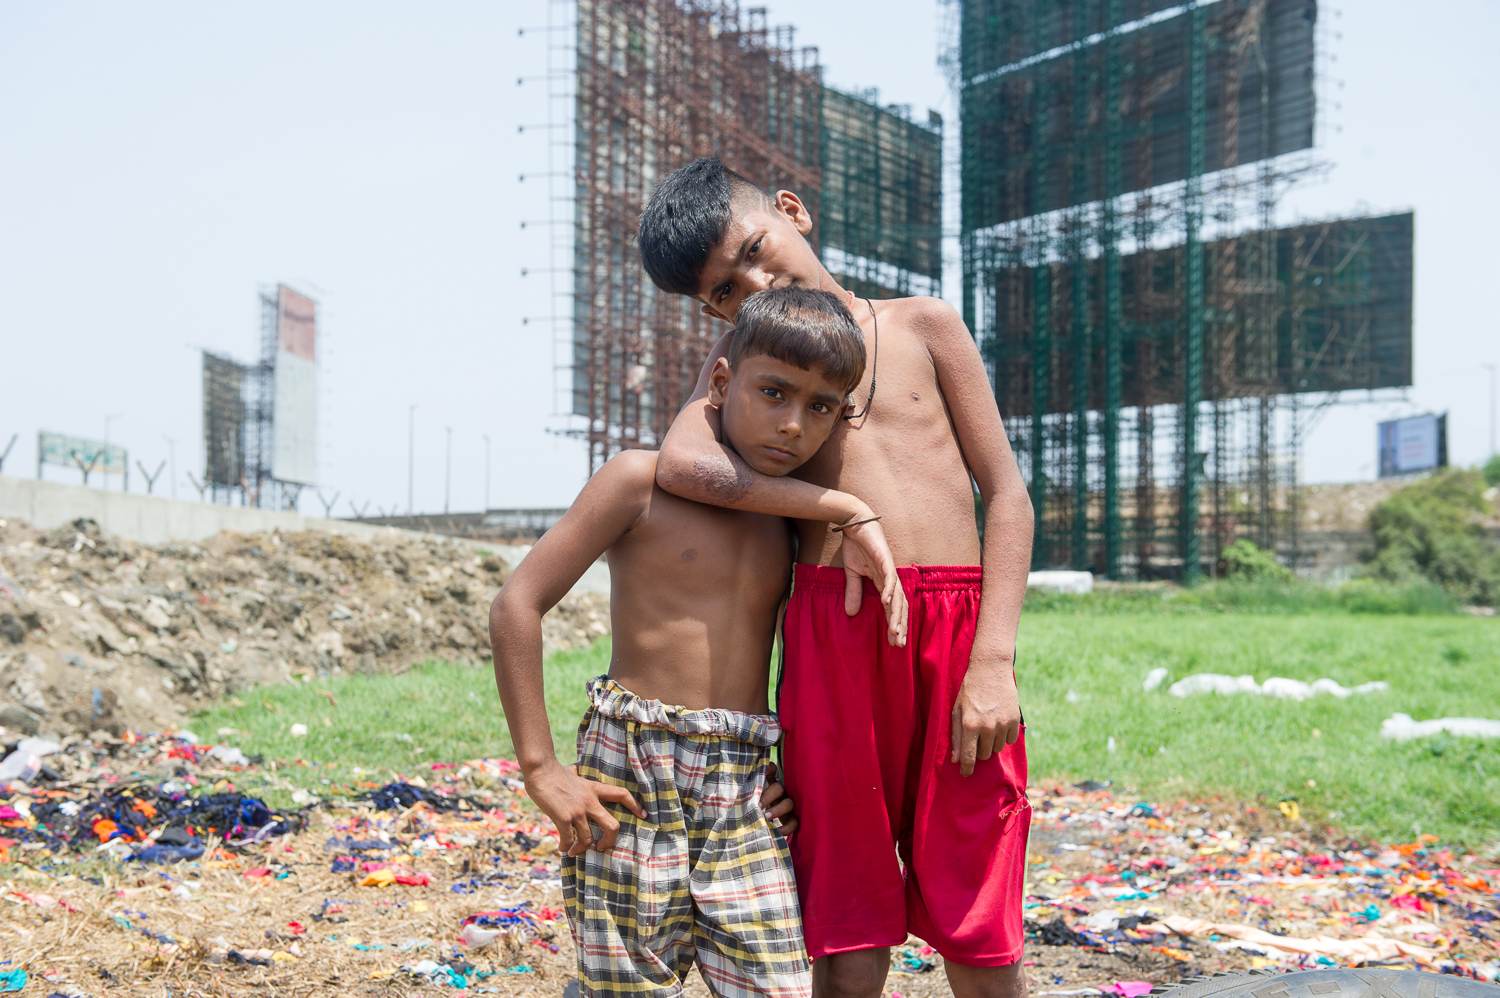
<point>1276,686</point>
<point>1402,728</point>
<point>1154,678</point>
<point>299,731</point>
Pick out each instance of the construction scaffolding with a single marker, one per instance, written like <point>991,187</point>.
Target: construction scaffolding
<point>659,83</point>
<point>1153,336</point>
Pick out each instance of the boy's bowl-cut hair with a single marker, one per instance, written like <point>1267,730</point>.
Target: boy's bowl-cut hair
<point>685,219</point>
<point>809,329</point>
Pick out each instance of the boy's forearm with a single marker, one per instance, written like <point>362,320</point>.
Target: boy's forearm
<point>516,637</point>
<point>1008,528</point>
<point>693,464</point>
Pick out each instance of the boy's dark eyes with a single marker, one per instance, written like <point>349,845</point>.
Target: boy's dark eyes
<point>755,246</point>
<point>821,408</point>
<point>772,393</point>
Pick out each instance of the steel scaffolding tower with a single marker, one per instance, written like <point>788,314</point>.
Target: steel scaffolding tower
<point>1142,316</point>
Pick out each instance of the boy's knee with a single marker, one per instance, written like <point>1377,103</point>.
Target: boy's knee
<point>986,982</point>
<point>859,974</point>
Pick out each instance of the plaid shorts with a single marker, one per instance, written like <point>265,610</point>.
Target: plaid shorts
<point>705,878</point>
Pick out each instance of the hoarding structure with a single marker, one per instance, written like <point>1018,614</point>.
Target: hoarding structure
<point>662,82</point>
<point>83,455</point>
<point>1412,445</point>
<point>294,414</point>
<point>260,420</point>
<point>1152,335</point>
<point>223,424</point>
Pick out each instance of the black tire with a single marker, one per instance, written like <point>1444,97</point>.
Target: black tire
<point>1335,982</point>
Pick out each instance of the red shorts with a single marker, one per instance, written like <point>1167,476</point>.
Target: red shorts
<point>892,839</point>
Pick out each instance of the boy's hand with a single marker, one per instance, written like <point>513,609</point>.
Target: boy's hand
<point>572,802</point>
<point>987,713</point>
<point>866,555</point>
<point>776,804</point>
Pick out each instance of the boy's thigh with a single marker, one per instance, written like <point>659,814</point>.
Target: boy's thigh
<point>631,914</point>
<point>749,928</point>
<point>631,909</point>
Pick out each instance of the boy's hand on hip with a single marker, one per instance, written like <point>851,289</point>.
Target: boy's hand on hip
<point>866,555</point>
<point>987,713</point>
<point>573,802</point>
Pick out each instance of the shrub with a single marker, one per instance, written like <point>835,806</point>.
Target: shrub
<point>1243,560</point>
<point>1431,530</point>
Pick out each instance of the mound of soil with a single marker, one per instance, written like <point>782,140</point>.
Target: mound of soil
<point>100,633</point>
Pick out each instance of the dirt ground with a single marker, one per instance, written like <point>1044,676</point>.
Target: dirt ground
<point>288,915</point>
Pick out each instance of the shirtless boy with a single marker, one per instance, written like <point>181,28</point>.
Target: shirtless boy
<point>678,736</point>
<point>916,751</point>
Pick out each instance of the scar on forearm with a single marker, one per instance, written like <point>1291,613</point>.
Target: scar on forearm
<point>721,478</point>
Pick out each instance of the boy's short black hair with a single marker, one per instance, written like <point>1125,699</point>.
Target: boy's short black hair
<point>802,327</point>
<point>687,215</point>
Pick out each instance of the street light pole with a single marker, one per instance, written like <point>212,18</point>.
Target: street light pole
<point>1493,451</point>
<point>109,418</point>
<point>172,459</point>
<point>486,471</point>
<point>448,471</point>
<point>411,458</point>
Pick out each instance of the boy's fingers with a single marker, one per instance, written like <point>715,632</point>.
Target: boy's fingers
<point>788,826</point>
<point>854,591</point>
<point>609,827</point>
<point>780,809</point>
<point>956,735</point>
<point>583,836</point>
<point>771,794</point>
<point>619,795</point>
<point>896,617</point>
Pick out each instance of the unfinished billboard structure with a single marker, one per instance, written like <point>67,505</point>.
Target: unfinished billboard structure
<point>661,82</point>
<point>260,420</point>
<point>1153,336</point>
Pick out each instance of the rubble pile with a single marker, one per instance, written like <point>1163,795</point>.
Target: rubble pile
<point>103,634</point>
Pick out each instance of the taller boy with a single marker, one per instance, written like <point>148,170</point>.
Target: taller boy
<point>913,749</point>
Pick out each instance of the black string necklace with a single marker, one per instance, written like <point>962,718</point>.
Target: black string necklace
<point>874,363</point>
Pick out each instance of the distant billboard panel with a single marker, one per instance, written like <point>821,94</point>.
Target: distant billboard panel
<point>81,453</point>
<point>223,421</point>
<point>294,413</point>
<point>1412,445</point>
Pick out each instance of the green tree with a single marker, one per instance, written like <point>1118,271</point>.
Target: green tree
<point>1433,529</point>
<point>1492,470</point>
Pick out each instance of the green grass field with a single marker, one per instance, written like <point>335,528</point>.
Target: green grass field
<point>1166,747</point>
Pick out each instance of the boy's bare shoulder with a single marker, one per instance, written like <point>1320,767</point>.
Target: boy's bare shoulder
<point>629,475</point>
<point>930,318</point>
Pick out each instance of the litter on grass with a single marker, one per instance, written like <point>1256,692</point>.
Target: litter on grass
<point>1276,686</point>
<point>1402,728</point>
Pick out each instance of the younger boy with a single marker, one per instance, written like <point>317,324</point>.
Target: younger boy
<point>913,751</point>
<point>678,736</point>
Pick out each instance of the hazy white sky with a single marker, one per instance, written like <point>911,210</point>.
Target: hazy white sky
<point>162,162</point>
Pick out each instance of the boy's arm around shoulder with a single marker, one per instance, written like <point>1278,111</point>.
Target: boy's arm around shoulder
<point>610,504</point>
<point>987,713</point>
<point>695,465</point>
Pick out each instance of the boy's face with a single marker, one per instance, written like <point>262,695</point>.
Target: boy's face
<point>764,247</point>
<point>774,415</point>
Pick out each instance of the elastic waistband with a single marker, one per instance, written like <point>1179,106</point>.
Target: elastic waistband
<point>914,578</point>
<point>613,700</point>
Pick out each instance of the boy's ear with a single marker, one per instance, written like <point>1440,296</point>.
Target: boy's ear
<point>718,382</point>
<point>796,212</point>
<point>714,313</point>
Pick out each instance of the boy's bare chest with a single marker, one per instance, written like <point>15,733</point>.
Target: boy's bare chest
<point>691,547</point>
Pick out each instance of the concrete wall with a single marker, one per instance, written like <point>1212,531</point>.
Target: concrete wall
<point>155,520</point>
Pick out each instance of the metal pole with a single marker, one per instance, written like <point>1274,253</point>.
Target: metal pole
<point>448,471</point>
<point>109,418</point>
<point>411,458</point>
<point>1197,43</point>
<point>172,460</point>
<point>486,471</point>
<point>1491,367</point>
